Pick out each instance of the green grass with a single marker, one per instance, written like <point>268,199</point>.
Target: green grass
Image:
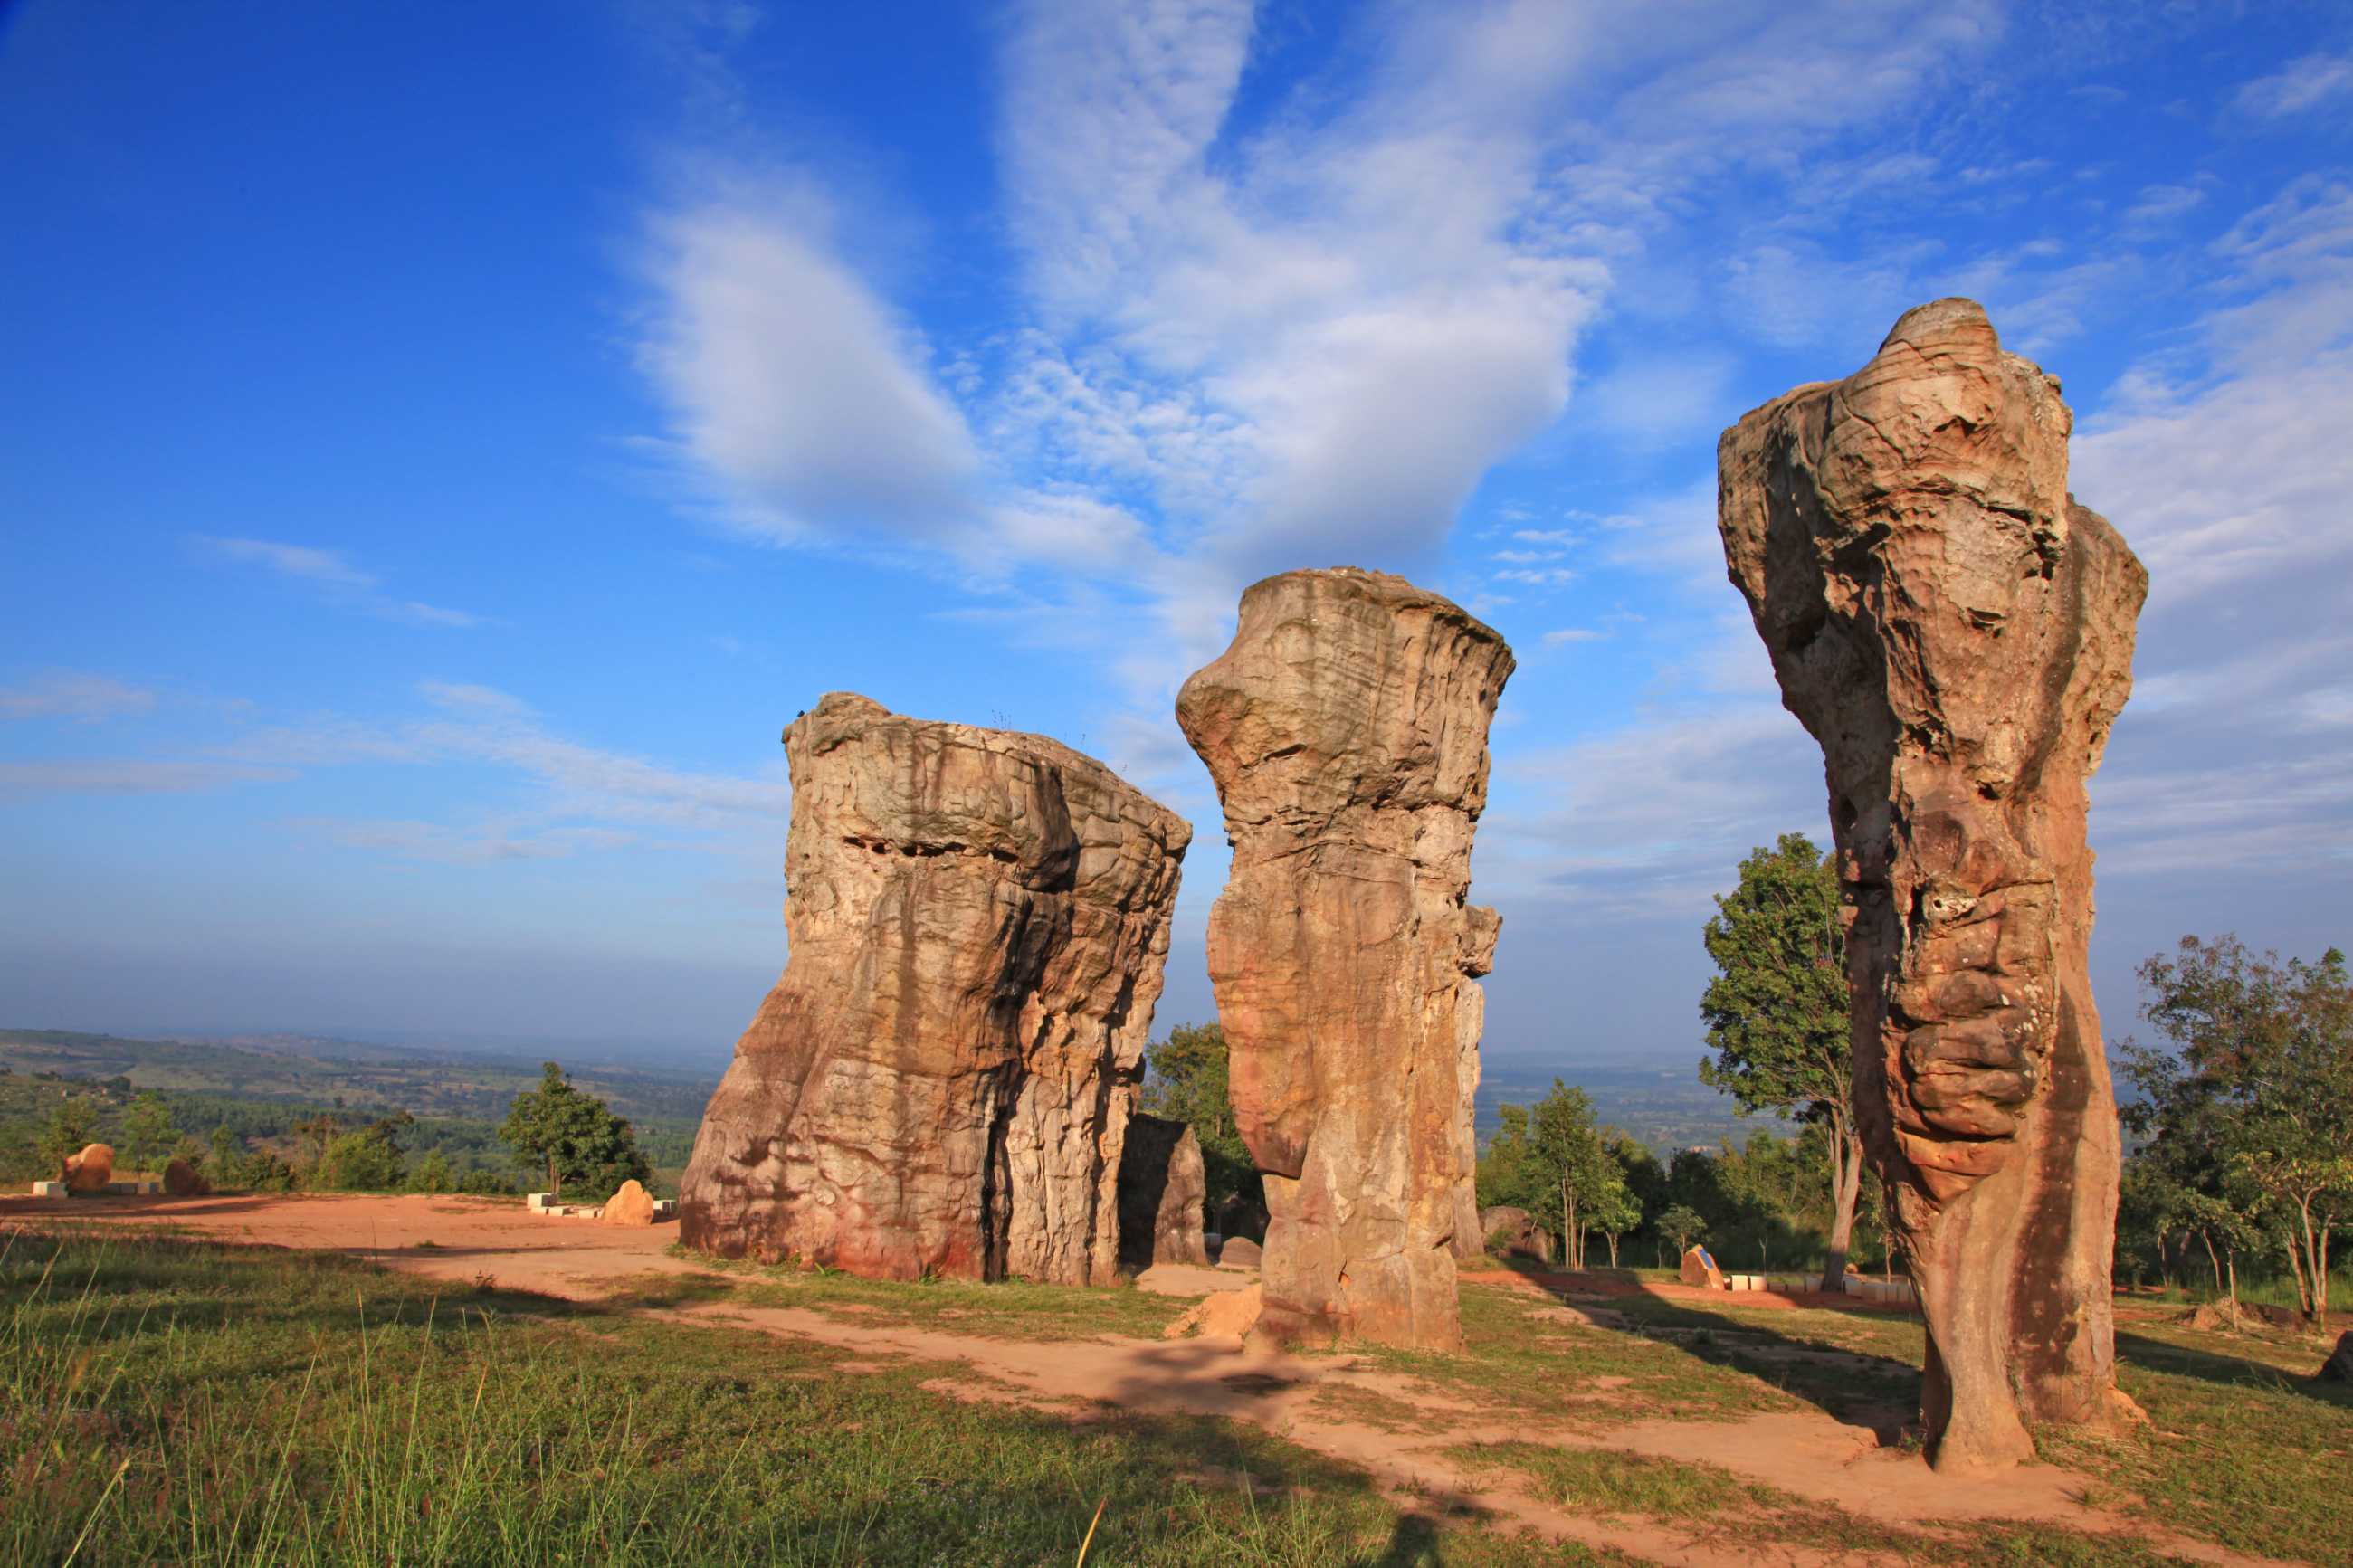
<point>1613,1481</point>
<point>164,1400</point>
<point>1008,1309</point>
<point>1694,1500</point>
<point>1520,1357</point>
<point>2243,1445</point>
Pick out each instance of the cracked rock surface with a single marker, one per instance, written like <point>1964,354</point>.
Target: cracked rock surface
<point>942,1080</point>
<point>1958,634</point>
<point>1346,731</point>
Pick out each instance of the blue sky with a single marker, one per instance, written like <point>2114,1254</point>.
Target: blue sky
<point>442,447</point>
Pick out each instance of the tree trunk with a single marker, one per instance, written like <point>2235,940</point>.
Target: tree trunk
<point>1846,1191</point>
<point>1613,1247</point>
<point>2212,1261</point>
<point>552,1187</point>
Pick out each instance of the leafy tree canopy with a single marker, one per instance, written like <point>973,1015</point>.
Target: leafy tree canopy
<point>574,1136</point>
<point>1188,1082</point>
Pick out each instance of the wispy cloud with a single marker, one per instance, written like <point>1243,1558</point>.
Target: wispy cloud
<point>73,694</point>
<point>128,776</point>
<point>336,577</point>
<point>2306,84</point>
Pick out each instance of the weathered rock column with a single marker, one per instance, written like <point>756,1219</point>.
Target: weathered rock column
<point>1346,730</point>
<point>941,1081</point>
<point>1163,1192</point>
<point>1957,634</point>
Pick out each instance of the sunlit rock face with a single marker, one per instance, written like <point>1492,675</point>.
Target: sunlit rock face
<point>1957,634</point>
<point>941,1082</point>
<point>1346,731</point>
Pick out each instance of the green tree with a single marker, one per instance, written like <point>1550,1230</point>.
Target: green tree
<point>147,1130</point>
<point>432,1174</point>
<point>1551,1160</point>
<point>1682,1225</point>
<point>574,1136</point>
<point>1778,1012</point>
<point>364,1160</point>
<point>71,1125</point>
<point>2260,1083</point>
<point>1186,1081</point>
<point>227,1165</point>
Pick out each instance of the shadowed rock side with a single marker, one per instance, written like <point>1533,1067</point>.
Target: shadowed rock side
<point>1163,1192</point>
<point>1957,634</point>
<point>1346,730</point>
<point>942,1080</point>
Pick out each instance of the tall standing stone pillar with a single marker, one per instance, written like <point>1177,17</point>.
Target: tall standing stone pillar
<point>1957,634</point>
<point>1346,730</point>
<point>941,1081</point>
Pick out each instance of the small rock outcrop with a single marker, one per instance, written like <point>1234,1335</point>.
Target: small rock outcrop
<point>89,1170</point>
<point>941,1081</point>
<point>1226,1314</point>
<point>2339,1367</point>
<point>1240,1252</point>
<point>1346,731</point>
<point>629,1204</point>
<point>1164,1191</point>
<point>182,1180</point>
<point>1699,1269</point>
<point>1958,634</point>
<point>1513,1233</point>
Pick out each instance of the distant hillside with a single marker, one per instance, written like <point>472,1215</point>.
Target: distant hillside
<point>295,1070</point>
<point>1666,1108</point>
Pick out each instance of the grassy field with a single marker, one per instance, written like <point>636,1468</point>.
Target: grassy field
<point>165,1400</point>
<point>170,1401</point>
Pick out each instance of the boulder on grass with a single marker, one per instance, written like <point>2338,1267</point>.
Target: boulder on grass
<point>2339,1367</point>
<point>182,1180</point>
<point>631,1205</point>
<point>1513,1233</point>
<point>1238,1252</point>
<point>89,1171</point>
<point>1700,1269</point>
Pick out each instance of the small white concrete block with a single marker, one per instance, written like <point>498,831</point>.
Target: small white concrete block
<point>539,1202</point>
<point>49,1190</point>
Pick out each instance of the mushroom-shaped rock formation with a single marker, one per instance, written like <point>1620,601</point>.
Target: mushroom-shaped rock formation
<point>1957,634</point>
<point>1346,731</point>
<point>941,1081</point>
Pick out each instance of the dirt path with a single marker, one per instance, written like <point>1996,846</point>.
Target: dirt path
<point>1303,1398</point>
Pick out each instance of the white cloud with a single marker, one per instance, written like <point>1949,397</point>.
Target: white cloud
<point>336,576</point>
<point>127,776</point>
<point>1567,635</point>
<point>483,844</point>
<point>301,561</point>
<point>792,388</point>
<point>2306,82</point>
<point>2161,204</point>
<point>73,694</point>
<point>1650,818</point>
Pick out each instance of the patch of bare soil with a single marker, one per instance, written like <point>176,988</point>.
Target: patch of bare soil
<point>1807,1453</point>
